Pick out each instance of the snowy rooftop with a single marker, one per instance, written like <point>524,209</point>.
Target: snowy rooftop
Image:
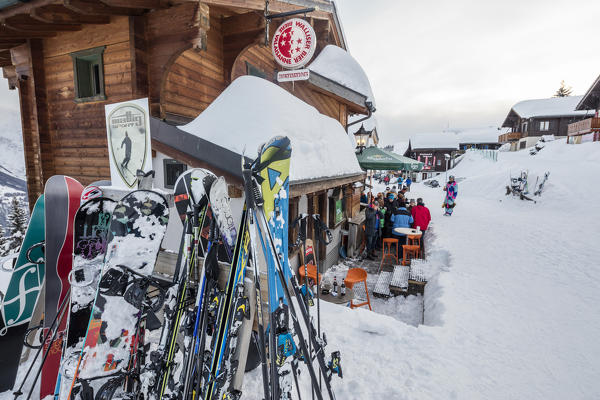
<point>552,107</point>
<point>338,65</point>
<point>446,140</point>
<point>400,147</point>
<point>252,110</point>
<point>488,134</point>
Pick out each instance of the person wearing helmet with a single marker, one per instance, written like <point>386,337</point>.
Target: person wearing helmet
<point>451,190</point>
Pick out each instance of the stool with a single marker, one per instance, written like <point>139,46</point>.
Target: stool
<point>410,251</point>
<point>312,273</point>
<point>414,240</point>
<point>356,275</point>
<point>387,250</point>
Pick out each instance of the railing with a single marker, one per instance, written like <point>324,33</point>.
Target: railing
<point>487,154</point>
<point>509,136</point>
<point>583,126</point>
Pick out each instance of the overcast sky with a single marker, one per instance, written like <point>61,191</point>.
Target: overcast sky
<point>461,63</point>
<point>464,63</point>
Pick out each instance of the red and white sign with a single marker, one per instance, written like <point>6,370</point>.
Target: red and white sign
<point>294,43</point>
<point>295,75</point>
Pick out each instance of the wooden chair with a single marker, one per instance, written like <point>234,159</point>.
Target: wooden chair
<point>387,251</point>
<point>356,275</point>
<point>410,251</point>
<point>312,273</point>
<point>414,240</point>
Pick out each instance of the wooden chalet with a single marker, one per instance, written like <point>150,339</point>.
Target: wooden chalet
<point>529,120</point>
<point>69,58</point>
<point>435,151</point>
<point>587,130</point>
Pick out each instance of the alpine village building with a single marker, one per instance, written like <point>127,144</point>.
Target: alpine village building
<point>587,130</point>
<point>69,58</point>
<point>529,120</point>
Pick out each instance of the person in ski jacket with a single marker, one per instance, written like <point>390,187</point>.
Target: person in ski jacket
<point>363,197</point>
<point>401,219</point>
<point>421,218</point>
<point>390,208</point>
<point>382,212</point>
<point>408,183</point>
<point>451,190</point>
<point>371,217</point>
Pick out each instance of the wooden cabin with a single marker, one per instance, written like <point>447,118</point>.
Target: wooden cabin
<point>587,130</point>
<point>69,58</point>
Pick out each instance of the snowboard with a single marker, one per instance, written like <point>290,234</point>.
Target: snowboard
<point>89,246</point>
<point>108,358</point>
<point>62,196</point>
<point>21,297</point>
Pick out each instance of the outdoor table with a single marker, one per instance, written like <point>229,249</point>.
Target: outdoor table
<point>337,299</point>
<point>407,231</point>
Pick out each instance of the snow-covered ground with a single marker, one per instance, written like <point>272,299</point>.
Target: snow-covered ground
<point>514,312</point>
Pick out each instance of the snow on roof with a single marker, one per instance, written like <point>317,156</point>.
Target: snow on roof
<point>552,107</point>
<point>488,134</point>
<point>252,110</point>
<point>338,65</point>
<point>400,148</point>
<point>434,141</point>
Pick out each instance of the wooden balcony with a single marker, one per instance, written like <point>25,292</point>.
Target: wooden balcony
<point>509,137</point>
<point>584,126</point>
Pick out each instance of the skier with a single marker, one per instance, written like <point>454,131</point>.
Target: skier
<point>408,183</point>
<point>451,190</point>
<point>390,206</point>
<point>127,142</point>
<point>371,216</point>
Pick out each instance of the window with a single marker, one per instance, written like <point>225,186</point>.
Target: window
<point>524,127</point>
<point>255,71</point>
<point>522,144</point>
<point>172,169</point>
<point>544,125</point>
<point>439,163</point>
<point>88,74</point>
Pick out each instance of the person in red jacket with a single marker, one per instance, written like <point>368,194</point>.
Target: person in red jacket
<point>421,219</point>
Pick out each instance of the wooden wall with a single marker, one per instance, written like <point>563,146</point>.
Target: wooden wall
<point>77,130</point>
<point>195,78</point>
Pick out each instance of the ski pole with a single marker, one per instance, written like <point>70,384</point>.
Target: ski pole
<point>58,317</point>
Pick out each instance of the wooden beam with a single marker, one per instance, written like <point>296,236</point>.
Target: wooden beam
<point>145,4</point>
<point>56,13</point>
<point>25,8</point>
<point>8,44</point>
<point>5,60</point>
<point>259,5</point>
<point>10,74</point>
<point>97,8</point>
<point>28,24</point>
<point>6,33</point>
<point>249,22</point>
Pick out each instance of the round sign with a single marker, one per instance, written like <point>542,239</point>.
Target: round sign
<point>294,43</point>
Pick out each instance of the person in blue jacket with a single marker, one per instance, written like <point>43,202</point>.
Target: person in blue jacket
<point>401,219</point>
<point>408,183</point>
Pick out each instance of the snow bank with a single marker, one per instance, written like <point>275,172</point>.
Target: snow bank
<point>252,110</point>
<point>552,107</point>
<point>339,66</point>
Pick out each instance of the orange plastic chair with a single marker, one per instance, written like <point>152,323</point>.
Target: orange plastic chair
<point>312,273</point>
<point>387,250</point>
<point>356,275</point>
<point>410,251</point>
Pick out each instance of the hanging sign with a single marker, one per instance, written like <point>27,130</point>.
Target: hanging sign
<point>295,75</point>
<point>294,43</point>
<point>129,146</point>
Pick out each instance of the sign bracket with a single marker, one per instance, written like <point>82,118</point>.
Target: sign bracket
<point>269,17</point>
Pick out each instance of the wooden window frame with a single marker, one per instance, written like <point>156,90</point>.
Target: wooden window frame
<point>253,70</point>
<point>96,57</point>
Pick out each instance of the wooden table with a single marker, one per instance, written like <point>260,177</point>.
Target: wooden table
<point>407,231</point>
<point>337,299</point>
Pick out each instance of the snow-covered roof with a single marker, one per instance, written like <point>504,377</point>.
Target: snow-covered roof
<point>488,134</point>
<point>434,141</point>
<point>252,110</point>
<point>552,107</point>
<point>338,65</point>
<point>400,147</point>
